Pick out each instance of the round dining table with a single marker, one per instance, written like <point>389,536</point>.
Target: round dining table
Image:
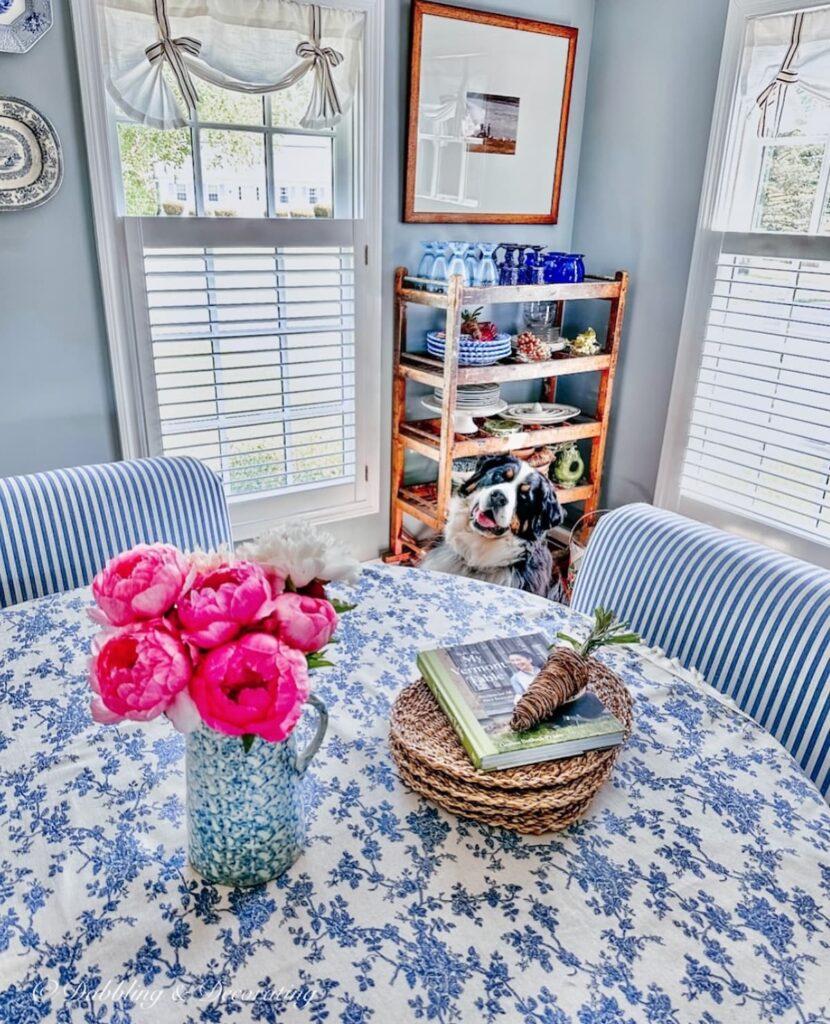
<point>695,890</point>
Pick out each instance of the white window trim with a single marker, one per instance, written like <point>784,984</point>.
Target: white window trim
<point>709,243</point>
<point>113,235</point>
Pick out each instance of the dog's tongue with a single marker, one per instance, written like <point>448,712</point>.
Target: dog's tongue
<point>484,520</point>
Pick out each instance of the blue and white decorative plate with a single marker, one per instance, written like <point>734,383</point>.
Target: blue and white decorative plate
<point>22,23</point>
<point>31,167</point>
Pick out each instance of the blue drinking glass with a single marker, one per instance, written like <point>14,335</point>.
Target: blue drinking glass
<point>458,264</point>
<point>487,274</point>
<point>571,268</point>
<point>532,268</point>
<point>551,269</point>
<point>427,260</point>
<point>509,272</point>
<point>472,263</point>
<point>439,268</point>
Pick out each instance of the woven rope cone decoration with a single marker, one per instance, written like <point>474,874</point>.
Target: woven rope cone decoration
<point>562,677</point>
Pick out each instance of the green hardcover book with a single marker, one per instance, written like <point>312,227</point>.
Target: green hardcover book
<point>477,685</point>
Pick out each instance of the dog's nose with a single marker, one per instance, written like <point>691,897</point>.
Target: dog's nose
<point>498,499</point>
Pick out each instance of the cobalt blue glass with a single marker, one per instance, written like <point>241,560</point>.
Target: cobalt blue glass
<point>532,271</point>
<point>571,268</point>
<point>245,816</point>
<point>551,267</point>
<point>508,271</point>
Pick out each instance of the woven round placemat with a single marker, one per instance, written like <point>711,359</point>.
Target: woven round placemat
<point>532,799</point>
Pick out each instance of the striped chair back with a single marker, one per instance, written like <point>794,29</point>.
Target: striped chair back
<point>57,529</point>
<point>754,622</point>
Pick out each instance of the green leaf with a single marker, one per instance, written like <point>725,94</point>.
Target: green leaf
<point>317,660</point>
<point>289,586</point>
<point>248,741</point>
<point>568,639</point>
<point>341,607</point>
<point>623,638</point>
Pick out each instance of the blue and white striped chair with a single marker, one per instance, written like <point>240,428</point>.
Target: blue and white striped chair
<point>57,529</point>
<point>754,622</point>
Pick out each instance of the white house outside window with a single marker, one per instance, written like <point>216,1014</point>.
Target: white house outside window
<point>245,331</point>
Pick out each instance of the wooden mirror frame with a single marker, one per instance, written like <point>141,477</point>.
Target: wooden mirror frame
<point>426,7</point>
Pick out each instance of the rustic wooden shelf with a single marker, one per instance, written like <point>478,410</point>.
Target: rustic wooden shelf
<point>416,436</point>
<point>438,441</point>
<point>427,370</point>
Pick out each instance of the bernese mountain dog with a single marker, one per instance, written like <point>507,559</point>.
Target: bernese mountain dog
<point>497,526</point>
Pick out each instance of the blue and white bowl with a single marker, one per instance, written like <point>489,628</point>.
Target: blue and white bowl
<point>471,353</point>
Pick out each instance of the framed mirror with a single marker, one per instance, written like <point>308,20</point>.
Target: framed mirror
<point>489,97</point>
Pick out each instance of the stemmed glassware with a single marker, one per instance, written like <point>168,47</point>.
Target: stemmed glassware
<point>458,263</point>
<point>427,264</point>
<point>439,266</point>
<point>509,272</point>
<point>472,263</point>
<point>532,271</point>
<point>487,273</point>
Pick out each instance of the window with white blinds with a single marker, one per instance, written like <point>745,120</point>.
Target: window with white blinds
<point>759,437</point>
<point>241,277</point>
<point>253,362</point>
<point>747,443</point>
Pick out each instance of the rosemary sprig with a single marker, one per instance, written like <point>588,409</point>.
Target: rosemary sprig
<point>607,630</point>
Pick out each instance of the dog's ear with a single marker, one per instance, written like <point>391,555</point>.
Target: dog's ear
<point>483,467</point>
<point>540,510</point>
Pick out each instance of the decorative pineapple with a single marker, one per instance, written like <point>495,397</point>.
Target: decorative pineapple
<point>565,673</point>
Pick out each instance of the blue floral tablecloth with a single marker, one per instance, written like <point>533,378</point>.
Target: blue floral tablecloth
<point>696,890</point>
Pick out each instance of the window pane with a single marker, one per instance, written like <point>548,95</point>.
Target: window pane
<point>789,179</point>
<point>157,171</point>
<point>233,169</point>
<point>303,176</point>
<point>226,107</point>
<point>287,106</point>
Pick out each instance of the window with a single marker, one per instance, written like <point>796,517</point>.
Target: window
<point>312,195</point>
<point>245,334</point>
<point>181,193</point>
<point>747,442</point>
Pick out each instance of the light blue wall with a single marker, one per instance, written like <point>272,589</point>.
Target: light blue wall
<point>56,401</point>
<point>651,89</point>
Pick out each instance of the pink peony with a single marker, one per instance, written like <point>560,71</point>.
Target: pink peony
<point>138,673</point>
<point>307,623</point>
<point>254,685</point>
<point>140,584</point>
<point>222,602</point>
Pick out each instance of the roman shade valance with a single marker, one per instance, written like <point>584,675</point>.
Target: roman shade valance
<point>788,72</point>
<point>155,52</point>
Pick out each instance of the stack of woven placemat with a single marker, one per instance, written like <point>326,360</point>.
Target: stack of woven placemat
<point>532,799</point>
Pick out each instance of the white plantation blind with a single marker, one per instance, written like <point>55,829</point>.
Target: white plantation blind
<point>759,437</point>
<point>248,355</point>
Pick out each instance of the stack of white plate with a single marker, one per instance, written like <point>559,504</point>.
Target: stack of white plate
<point>473,396</point>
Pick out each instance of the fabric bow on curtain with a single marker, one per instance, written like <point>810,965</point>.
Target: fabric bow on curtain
<point>257,46</point>
<point>804,38</point>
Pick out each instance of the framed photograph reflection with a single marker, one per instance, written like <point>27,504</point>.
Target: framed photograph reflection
<point>489,97</point>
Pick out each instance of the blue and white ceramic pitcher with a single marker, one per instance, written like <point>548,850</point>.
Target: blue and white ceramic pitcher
<point>245,817</point>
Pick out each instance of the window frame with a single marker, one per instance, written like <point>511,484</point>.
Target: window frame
<point>117,238</point>
<point>710,241</point>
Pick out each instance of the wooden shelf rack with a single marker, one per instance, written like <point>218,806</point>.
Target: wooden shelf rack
<point>436,439</point>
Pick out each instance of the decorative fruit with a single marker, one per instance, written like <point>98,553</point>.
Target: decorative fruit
<point>530,348</point>
<point>478,330</point>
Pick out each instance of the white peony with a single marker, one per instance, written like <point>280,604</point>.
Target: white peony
<point>303,553</point>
